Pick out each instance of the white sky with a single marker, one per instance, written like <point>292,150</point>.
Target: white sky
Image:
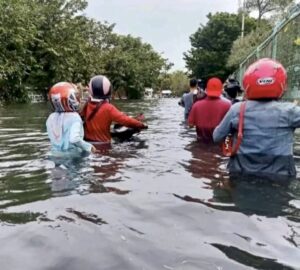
<point>165,24</point>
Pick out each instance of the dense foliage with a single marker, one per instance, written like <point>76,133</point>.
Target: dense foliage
<point>211,45</point>
<point>43,42</point>
<point>241,48</point>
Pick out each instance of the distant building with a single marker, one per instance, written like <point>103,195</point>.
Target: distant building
<point>148,94</point>
<point>166,93</point>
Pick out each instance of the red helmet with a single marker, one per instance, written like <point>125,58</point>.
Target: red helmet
<point>64,97</point>
<point>266,78</point>
<point>214,87</point>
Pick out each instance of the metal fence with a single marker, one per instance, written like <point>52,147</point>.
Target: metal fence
<point>283,45</point>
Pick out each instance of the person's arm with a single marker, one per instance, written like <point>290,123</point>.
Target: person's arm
<point>125,120</point>
<point>295,116</point>
<point>76,132</point>
<point>224,128</point>
<point>191,118</point>
<point>181,102</point>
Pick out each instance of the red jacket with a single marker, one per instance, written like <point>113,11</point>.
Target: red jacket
<point>206,114</point>
<point>98,128</point>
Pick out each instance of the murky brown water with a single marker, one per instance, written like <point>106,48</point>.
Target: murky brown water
<point>160,201</point>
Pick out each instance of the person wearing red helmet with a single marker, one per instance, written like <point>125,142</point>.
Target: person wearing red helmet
<point>64,125</point>
<point>98,113</point>
<point>266,145</point>
<point>207,113</point>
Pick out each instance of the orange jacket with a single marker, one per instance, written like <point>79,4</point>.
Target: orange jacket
<point>98,128</point>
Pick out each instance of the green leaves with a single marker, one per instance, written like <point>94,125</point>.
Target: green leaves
<point>132,66</point>
<point>243,47</point>
<point>211,45</point>
<point>43,42</point>
<point>266,6</point>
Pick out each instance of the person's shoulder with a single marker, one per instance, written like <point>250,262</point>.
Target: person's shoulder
<point>200,102</point>
<point>225,100</point>
<point>185,95</point>
<point>109,106</point>
<point>52,115</point>
<point>72,116</point>
<point>106,105</point>
<point>287,106</point>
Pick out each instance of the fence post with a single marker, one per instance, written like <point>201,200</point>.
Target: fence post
<point>258,52</point>
<point>274,47</point>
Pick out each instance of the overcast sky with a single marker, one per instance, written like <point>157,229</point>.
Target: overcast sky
<point>165,24</point>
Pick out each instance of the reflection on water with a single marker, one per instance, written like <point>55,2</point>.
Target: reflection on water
<point>178,209</point>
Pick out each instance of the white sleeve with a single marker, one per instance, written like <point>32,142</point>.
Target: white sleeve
<point>76,137</point>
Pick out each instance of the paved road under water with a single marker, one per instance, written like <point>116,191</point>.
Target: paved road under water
<point>160,201</point>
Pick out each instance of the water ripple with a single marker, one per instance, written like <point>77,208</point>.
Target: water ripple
<point>158,201</point>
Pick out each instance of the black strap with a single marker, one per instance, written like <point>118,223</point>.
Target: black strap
<point>93,113</point>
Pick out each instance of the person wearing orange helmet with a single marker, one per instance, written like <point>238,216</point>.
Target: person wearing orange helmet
<point>98,113</point>
<point>266,137</point>
<point>207,113</point>
<point>64,125</point>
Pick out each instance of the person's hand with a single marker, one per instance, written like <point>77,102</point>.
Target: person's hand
<point>140,117</point>
<point>145,126</point>
<point>94,149</point>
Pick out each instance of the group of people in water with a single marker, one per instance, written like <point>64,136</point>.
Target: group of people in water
<point>256,130</point>
<point>73,131</point>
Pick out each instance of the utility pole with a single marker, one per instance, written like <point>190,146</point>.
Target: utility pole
<point>242,10</point>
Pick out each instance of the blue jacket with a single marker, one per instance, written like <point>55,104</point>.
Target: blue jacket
<point>267,144</point>
<point>65,131</point>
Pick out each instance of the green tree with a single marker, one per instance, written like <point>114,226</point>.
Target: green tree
<point>17,33</point>
<point>132,65</point>
<point>266,6</point>
<point>241,48</point>
<point>60,46</point>
<point>44,42</point>
<point>211,45</point>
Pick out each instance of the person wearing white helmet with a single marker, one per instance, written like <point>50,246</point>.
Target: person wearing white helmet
<point>64,125</point>
<point>98,113</point>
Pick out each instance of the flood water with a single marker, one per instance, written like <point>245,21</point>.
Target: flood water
<point>159,201</point>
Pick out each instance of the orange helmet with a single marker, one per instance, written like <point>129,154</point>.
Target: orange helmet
<point>214,87</point>
<point>266,78</point>
<point>64,97</point>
